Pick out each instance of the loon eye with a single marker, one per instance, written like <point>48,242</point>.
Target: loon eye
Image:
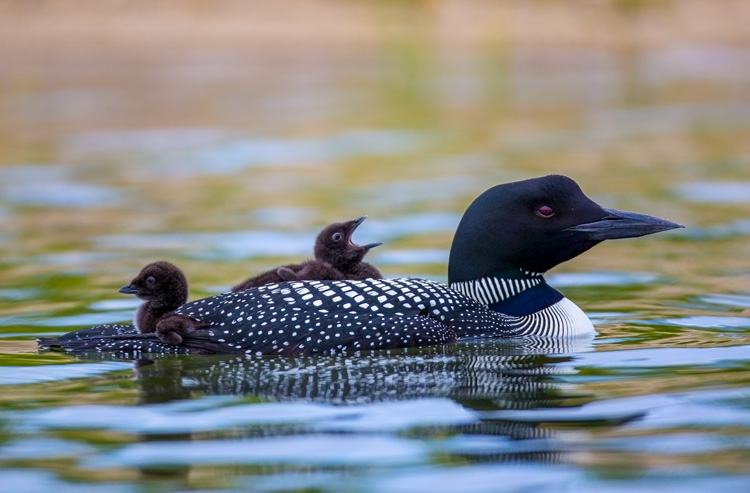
<point>337,236</point>
<point>545,211</point>
<point>150,280</point>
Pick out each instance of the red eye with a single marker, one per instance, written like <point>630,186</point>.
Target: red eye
<point>545,211</point>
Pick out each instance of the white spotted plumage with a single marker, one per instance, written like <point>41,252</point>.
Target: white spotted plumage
<point>322,316</point>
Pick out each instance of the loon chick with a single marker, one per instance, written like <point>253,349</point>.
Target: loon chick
<point>507,239</point>
<point>337,257</point>
<point>163,287</point>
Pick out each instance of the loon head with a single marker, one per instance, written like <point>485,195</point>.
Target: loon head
<point>533,225</point>
<point>335,246</point>
<point>160,282</point>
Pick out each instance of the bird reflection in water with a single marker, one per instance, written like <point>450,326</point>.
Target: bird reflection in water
<point>501,373</point>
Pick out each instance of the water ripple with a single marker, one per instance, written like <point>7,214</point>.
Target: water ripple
<point>480,479</point>
<point>167,419</point>
<point>616,410</point>
<point>710,322</point>
<point>409,225</point>
<point>740,227</point>
<point>228,245</point>
<point>52,186</point>
<point>718,192</point>
<point>403,415</point>
<point>661,357</point>
<point>43,448</point>
<point>412,257</point>
<point>601,278</point>
<point>213,152</point>
<point>313,450</point>
<point>32,480</point>
<point>65,194</point>
<point>274,243</point>
<point>21,375</point>
<point>686,483</point>
<point>738,300</point>
<point>81,320</point>
<point>658,411</point>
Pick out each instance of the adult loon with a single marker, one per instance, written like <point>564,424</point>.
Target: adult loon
<point>337,257</point>
<point>507,239</point>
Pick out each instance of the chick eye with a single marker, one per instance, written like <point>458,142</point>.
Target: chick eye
<point>545,211</point>
<point>150,280</point>
<point>337,236</point>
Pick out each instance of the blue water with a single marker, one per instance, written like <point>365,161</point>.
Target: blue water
<point>658,399</point>
<point>494,410</point>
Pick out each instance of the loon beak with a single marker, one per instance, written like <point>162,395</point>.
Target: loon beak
<point>623,224</point>
<point>356,224</point>
<point>359,221</point>
<point>128,289</point>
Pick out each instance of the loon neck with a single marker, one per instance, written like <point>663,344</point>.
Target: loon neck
<point>516,296</point>
<point>533,307</point>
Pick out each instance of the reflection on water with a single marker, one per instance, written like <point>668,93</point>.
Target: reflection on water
<point>383,392</point>
<point>488,402</point>
<point>517,371</point>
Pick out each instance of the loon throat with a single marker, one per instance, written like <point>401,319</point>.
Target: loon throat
<point>532,306</point>
<point>491,290</point>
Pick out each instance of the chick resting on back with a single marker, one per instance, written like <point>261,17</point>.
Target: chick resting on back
<point>336,258</point>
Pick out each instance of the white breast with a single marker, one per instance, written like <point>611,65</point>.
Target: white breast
<point>563,319</point>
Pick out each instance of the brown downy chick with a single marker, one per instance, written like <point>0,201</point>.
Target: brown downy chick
<point>163,287</point>
<point>337,257</point>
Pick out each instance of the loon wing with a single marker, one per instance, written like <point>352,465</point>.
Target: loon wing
<point>88,334</point>
<point>126,339</point>
<point>333,333</point>
<point>339,334</point>
<point>104,330</point>
<point>319,316</point>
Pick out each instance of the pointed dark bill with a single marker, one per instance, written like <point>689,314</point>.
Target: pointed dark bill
<point>128,289</point>
<point>371,245</point>
<point>623,224</point>
<point>359,221</point>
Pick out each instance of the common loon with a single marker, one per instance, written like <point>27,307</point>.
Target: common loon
<point>337,257</point>
<point>507,239</point>
<point>163,288</point>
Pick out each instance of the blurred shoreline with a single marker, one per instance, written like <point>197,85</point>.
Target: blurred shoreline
<point>299,25</point>
<point>70,66</point>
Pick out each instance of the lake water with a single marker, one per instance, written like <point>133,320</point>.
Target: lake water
<point>227,160</point>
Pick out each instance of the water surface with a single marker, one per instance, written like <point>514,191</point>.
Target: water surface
<point>229,166</point>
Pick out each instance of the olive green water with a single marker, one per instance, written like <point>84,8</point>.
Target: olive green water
<point>226,157</point>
